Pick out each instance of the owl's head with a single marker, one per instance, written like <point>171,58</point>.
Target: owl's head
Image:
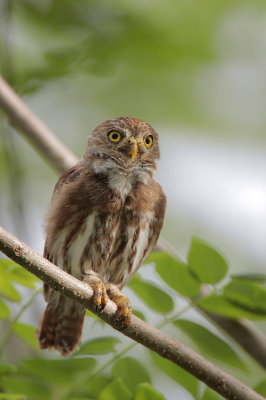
<point>127,144</point>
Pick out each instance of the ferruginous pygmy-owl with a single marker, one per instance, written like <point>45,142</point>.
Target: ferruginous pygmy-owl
<point>104,219</point>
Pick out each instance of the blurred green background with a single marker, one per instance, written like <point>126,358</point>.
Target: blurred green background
<point>194,69</point>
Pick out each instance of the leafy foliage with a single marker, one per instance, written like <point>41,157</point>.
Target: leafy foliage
<point>12,273</point>
<point>99,346</point>
<point>124,367</point>
<point>247,294</point>
<point>210,395</point>
<point>26,333</point>
<point>145,391</point>
<point>261,387</point>
<point>4,310</point>
<point>209,344</point>
<point>180,376</point>
<point>218,304</point>
<point>25,387</point>
<point>148,292</point>
<point>57,372</point>
<point>206,263</point>
<point>175,273</point>
<point>93,387</point>
<point>115,390</point>
<point>130,378</point>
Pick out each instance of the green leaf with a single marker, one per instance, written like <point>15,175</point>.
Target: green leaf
<point>26,333</point>
<point>8,396</point>
<point>145,391</point>
<point>4,310</point>
<point>57,372</point>
<point>261,387</point>
<point>15,273</point>
<point>175,372</point>
<point>5,263</point>
<point>7,369</point>
<point>210,344</point>
<point>139,314</point>
<point>250,277</point>
<point>96,319</point>
<point>210,395</point>
<point>91,314</point>
<point>102,345</point>
<point>94,386</point>
<point>206,263</point>
<point>218,304</point>
<point>175,273</point>
<point>26,387</point>
<point>11,272</point>
<point>247,294</point>
<point>154,297</point>
<point>115,391</point>
<point>131,371</point>
<point>7,289</point>
<point>23,277</point>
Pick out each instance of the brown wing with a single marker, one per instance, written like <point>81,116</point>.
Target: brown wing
<point>68,176</point>
<point>156,226</point>
<point>159,212</point>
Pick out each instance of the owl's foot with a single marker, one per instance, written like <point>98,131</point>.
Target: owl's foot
<point>124,309</point>
<point>100,298</point>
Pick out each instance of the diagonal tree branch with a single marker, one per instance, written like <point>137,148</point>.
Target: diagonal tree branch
<point>166,346</point>
<point>34,129</point>
<point>244,332</point>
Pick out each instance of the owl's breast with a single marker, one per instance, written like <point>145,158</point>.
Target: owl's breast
<point>132,244</point>
<point>112,241</point>
<point>111,246</point>
<point>91,250</point>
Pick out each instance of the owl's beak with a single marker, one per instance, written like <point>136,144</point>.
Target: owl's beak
<point>134,150</point>
<point>133,147</point>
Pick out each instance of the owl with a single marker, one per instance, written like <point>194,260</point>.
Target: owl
<point>105,217</point>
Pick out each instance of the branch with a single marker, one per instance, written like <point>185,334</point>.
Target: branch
<point>34,129</point>
<point>245,333</point>
<point>140,331</point>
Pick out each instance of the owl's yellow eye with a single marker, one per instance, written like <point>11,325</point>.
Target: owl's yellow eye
<point>148,141</point>
<point>114,136</point>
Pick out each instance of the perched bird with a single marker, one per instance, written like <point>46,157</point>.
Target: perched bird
<point>105,217</point>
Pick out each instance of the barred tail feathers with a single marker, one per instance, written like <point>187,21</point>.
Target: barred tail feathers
<point>61,325</point>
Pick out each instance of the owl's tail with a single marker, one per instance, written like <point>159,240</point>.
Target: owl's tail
<point>61,325</point>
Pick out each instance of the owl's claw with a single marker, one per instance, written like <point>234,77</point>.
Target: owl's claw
<point>100,298</point>
<point>100,308</point>
<point>124,309</point>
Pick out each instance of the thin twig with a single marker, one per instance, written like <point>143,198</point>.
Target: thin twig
<point>166,346</point>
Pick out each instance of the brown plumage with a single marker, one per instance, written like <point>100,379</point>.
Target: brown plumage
<point>104,219</point>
